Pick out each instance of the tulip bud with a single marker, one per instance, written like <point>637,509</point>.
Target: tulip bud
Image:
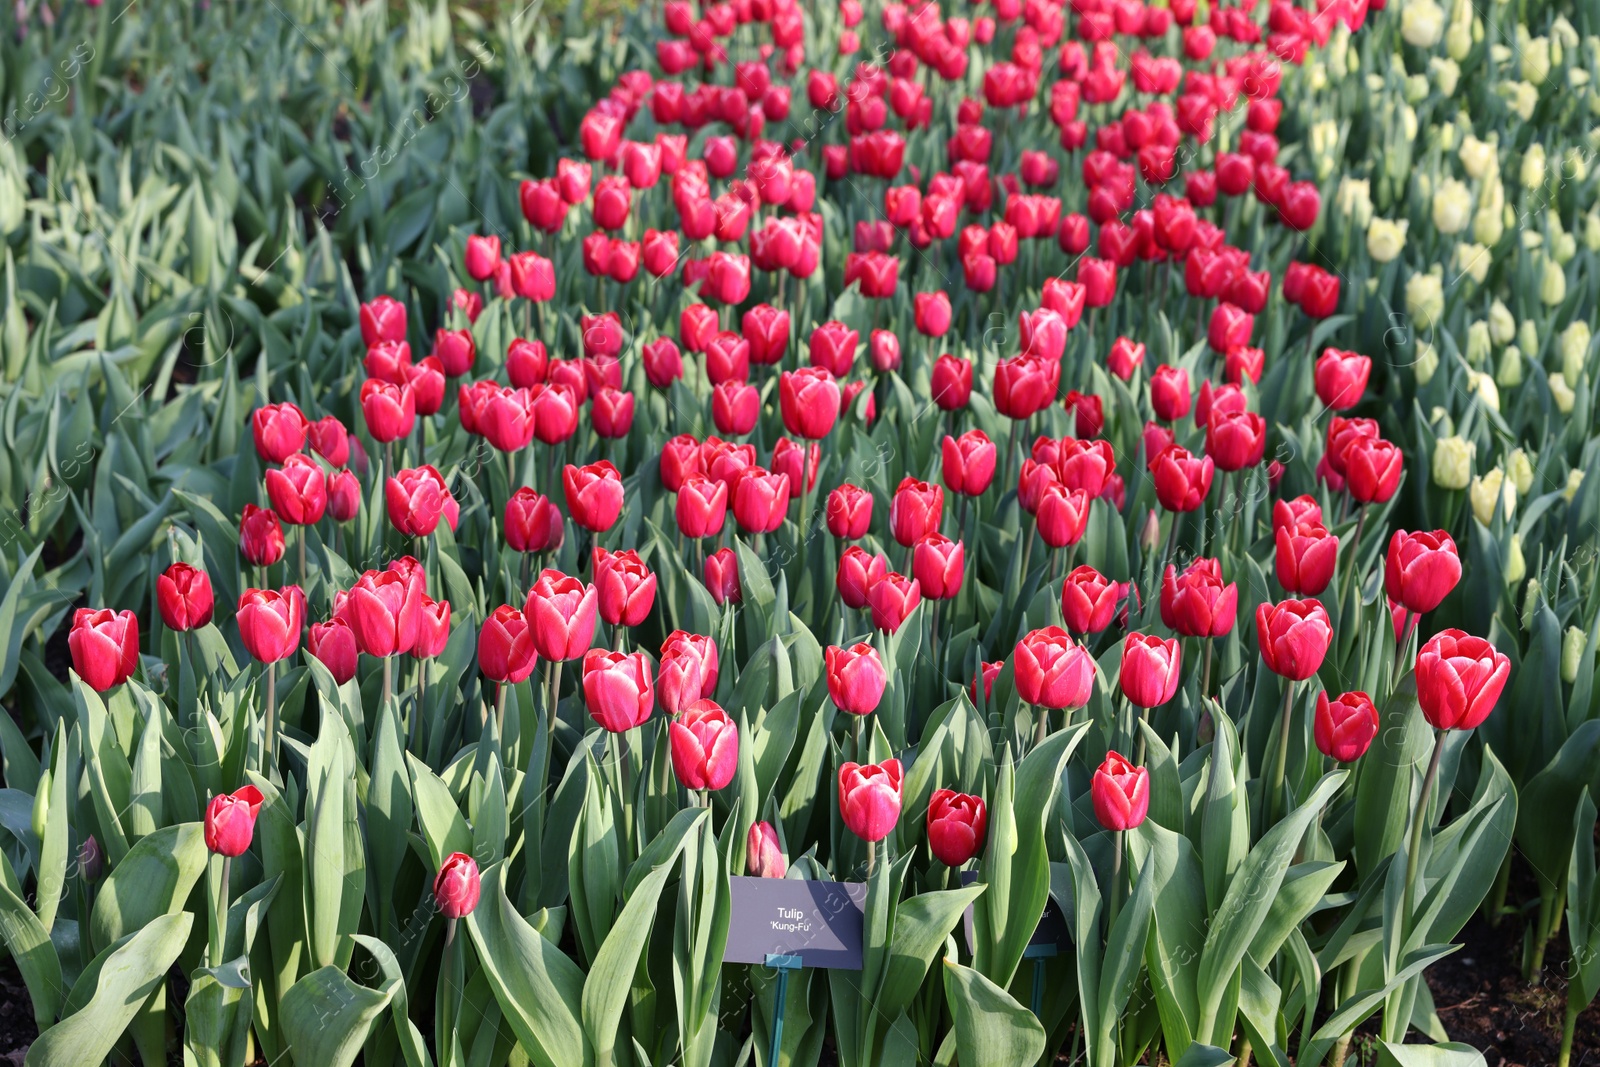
<point>763,854</point>
<point>1493,493</point>
<point>184,597</point>
<point>1120,793</point>
<point>957,826</point>
<point>1515,566</point>
<point>1574,644</point>
<point>1344,727</point>
<point>230,821</point>
<point>704,745</point>
<point>869,798</point>
<point>1452,462</point>
<point>457,886</point>
<point>1459,679</point>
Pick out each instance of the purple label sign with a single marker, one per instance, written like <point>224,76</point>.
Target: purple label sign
<point>1049,937</point>
<point>818,921</point>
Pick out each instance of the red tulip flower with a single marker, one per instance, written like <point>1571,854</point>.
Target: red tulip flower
<point>390,410</point>
<point>416,500</point>
<point>722,577</point>
<point>958,824</point>
<point>594,494</point>
<point>260,536</point>
<point>625,587</point>
<point>269,622</point>
<point>104,646</point>
<point>856,678</point>
<point>809,400</point>
<point>561,612</point>
<point>687,672</point>
<point>1051,671</point>
<point>1305,558</point>
<point>763,855</point>
<point>1372,468</point>
<point>1459,679</point>
<point>849,513</point>
<point>230,822</point>
<point>1294,636</point>
<point>892,599</point>
<point>1181,480</point>
<point>618,688</point>
<point>1292,513</point>
<point>951,382</point>
<point>1088,599</point>
<point>279,431</point>
<point>1341,378</point>
<point>833,348</point>
<point>532,522</point>
<point>298,491</point>
<point>333,643</point>
<point>1420,569</point>
<point>938,564</point>
<point>1345,726</point>
<point>968,463</point>
<point>1196,602</point>
<point>869,798</point>
<point>1120,793</point>
<point>1151,669</point>
<point>705,746</point>
<point>915,511</point>
<point>184,597</point>
<point>760,499</point>
<point>457,886</point>
<point>859,570</point>
<point>702,506</point>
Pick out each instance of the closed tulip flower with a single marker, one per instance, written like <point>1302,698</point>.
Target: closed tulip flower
<point>795,461</point>
<point>1196,602</point>
<point>1372,469</point>
<point>1086,412</point>
<point>958,823</point>
<point>1051,671</point>
<point>1181,479</point>
<point>702,507</point>
<point>384,609</point>
<point>1294,636</point>
<point>625,586</point>
<point>727,358</point>
<point>618,689</point>
<point>561,612</point>
<point>482,256</point>
<point>760,499</point>
<point>951,382</point>
<point>663,363</point>
<point>869,798</point>
<point>735,405</point>
<point>1088,599</point>
<point>884,348</point>
<point>104,646</point>
<point>1099,280</point>
<point>915,511</point>
<point>859,571</point>
<point>279,431</point>
<point>680,460</point>
<point>1063,515</point>
<point>333,643</point>
<point>390,410</point>
<point>1120,793</point>
<point>687,672</point>
<point>269,622</point>
<point>849,513</point>
<point>1459,679</point>
<point>1151,669</point>
<point>1125,358</point>
<point>1345,726</point>
<point>931,313</point>
<point>1420,569</point>
<point>722,577</point>
<point>705,746</point>
<point>330,440</point>
<point>532,522</point>
<point>856,678</point>
<point>892,599</point>
<point>1025,385</point>
<point>260,536</point>
<point>1341,378</point>
<point>938,564</point>
<point>298,491</point>
<point>1305,558</point>
<point>809,400</point>
<point>594,494</point>
<point>457,886</point>
<point>1292,513</point>
<point>416,500</point>
<point>184,597</point>
<point>230,822</point>
<point>763,854</point>
<point>1230,326</point>
<point>968,463</point>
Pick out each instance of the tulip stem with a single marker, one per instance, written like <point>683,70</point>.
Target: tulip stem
<point>422,701</point>
<point>1172,541</point>
<point>1418,819</point>
<point>1280,762</point>
<point>1116,881</point>
<point>554,676</point>
<point>272,726</point>
<point>1205,668</point>
<point>449,991</point>
<point>305,531</point>
<point>872,853</point>
<point>1041,727</point>
<point>500,711</point>
<point>219,915</point>
<point>1355,549</point>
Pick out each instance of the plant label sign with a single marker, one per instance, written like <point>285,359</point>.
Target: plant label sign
<point>1050,937</point>
<point>820,922</point>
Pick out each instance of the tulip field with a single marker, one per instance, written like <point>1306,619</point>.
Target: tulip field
<point>800,532</point>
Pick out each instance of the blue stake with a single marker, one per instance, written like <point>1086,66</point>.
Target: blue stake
<point>783,965</point>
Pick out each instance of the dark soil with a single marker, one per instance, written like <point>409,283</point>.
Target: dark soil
<point>17,1030</point>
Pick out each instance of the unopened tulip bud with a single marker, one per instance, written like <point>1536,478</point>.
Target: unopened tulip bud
<point>1516,567</point>
<point>1452,462</point>
<point>1574,643</point>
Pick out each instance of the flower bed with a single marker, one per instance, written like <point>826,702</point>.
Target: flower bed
<point>786,534</point>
